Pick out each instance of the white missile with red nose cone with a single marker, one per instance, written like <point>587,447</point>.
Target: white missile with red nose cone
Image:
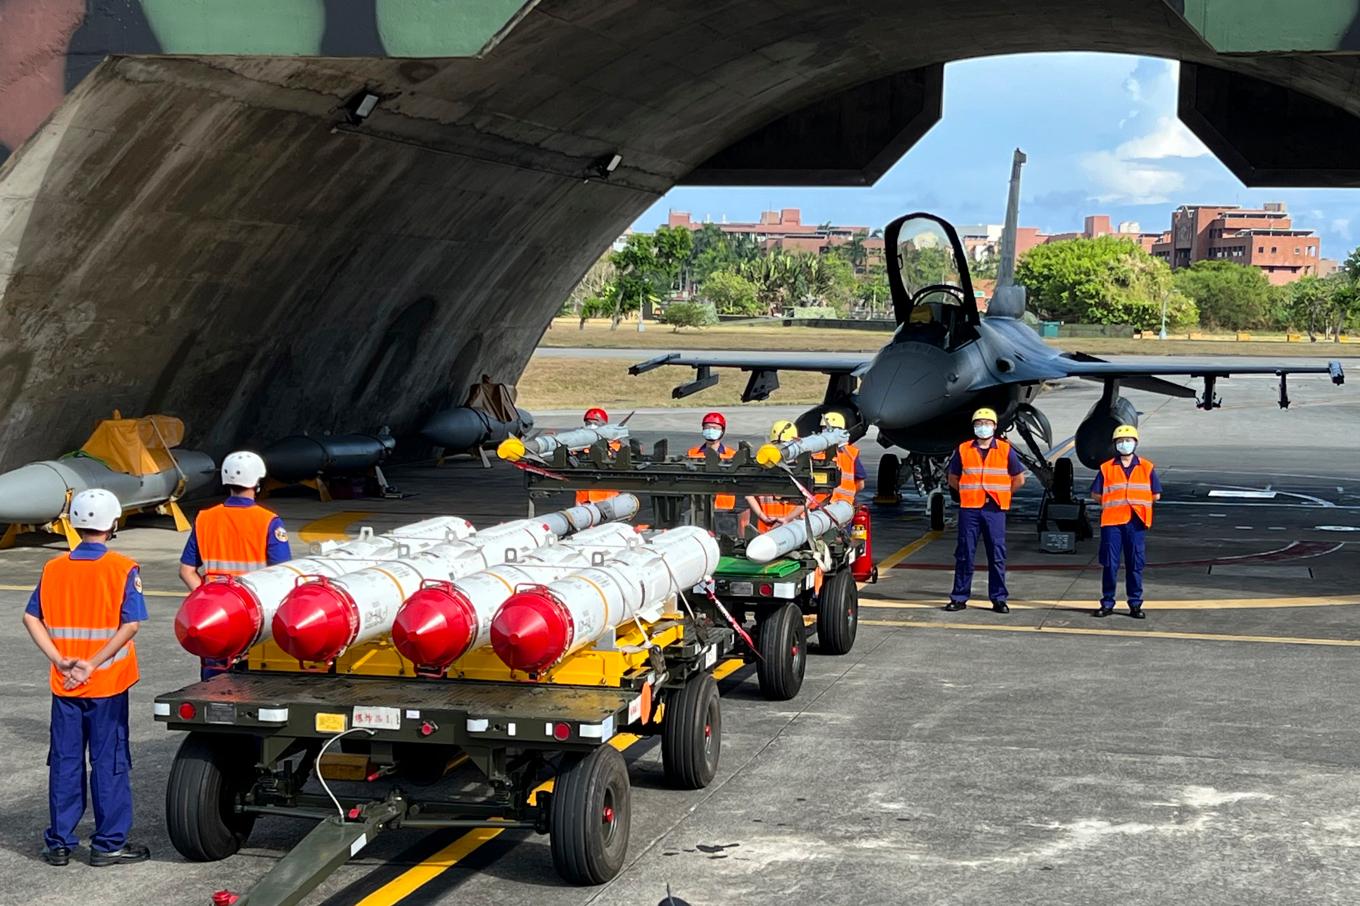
<point>445,620</point>
<point>538,627</point>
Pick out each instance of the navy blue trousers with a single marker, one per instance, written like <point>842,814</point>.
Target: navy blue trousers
<point>990,526</point>
<point>101,726</point>
<point>1127,542</point>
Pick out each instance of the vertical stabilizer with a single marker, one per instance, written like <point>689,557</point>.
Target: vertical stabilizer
<point>1008,300</point>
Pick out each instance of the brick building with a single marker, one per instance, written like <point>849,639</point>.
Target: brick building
<point>785,229</point>
<point>1263,238</point>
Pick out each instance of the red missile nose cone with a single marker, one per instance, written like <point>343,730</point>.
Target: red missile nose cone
<point>218,620</point>
<point>315,622</point>
<point>434,627</point>
<point>531,631</point>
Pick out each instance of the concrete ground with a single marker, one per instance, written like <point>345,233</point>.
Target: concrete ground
<point>1207,753</point>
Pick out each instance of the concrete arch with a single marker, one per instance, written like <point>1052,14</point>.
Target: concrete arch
<point>209,236</point>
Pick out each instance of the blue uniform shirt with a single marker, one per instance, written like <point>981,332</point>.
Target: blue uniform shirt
<point>134,605</point>
<point>1098,486</point>
<point>277,550</point>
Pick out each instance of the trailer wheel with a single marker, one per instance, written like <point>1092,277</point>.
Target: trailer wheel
<point>208,773</point>
<point>589,816</point>
<point>838,613</point>
<point>782,642</point>
<point>691,734</point>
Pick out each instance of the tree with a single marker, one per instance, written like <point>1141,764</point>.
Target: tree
<point>1105,280</point>
<point>1229,295</point>
<point>585,299</point>
<point>984,268</point>
<point>673,246</point>
<point>730,293</point>
<point>1351,266</point>
<point>689,314</point>
<point>1309,303</point>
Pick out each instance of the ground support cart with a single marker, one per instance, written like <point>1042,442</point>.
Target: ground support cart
<point>542,747</point>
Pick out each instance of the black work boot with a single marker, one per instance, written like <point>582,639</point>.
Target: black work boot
<point>1137,613</point>
<point>56,855</point>
<point>129,854</point>
<point>954,605</point>
<point>1000,607</point>
<point>1103,612</point>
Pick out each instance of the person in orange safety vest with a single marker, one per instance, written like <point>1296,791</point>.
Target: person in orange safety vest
<point>82,615</point>
<point>235,537</point>
<point>1125,488</point>
<point>595,417</point>
<point>985,471</point>
<point>772,512</point>
<point>713,426</point>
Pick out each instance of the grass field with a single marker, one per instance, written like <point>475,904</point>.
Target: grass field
<point>597,335</point>
<point>578,383</point>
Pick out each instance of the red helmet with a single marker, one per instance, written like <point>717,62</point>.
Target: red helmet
<point>715,418</point>
<point>596,415</point>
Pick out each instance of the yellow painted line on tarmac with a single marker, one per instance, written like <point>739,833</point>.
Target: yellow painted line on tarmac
<point>411,880</point>
<point>332,527</point>
<point>1127,633</point>
<point>1188,604</point>
<point>893,559</point>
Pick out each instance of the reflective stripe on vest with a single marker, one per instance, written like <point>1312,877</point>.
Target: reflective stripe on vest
<point>983,477</point>
<point>720,501</point>
<point>233,540</point>
<point>82,605</point>
<point>1123,495</point>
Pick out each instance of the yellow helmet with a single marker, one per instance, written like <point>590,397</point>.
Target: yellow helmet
<point>783,430</point>
<point>1125,431</point>
<point>833,420</point>
<point>985,413</point>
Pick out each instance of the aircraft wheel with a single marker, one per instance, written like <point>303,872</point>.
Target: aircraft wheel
<point>889,479</point>
<point>838,613</point>
<point>782,643</point>
<point>691,734</point>
<point>589,816</point>
<point>936,504</point>
<point>208,773</point>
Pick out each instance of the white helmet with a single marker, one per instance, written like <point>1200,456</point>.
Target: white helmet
<point>96,509</point>
<point>242,469</point>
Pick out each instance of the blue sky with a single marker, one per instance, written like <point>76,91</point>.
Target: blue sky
<point>1102,137</point>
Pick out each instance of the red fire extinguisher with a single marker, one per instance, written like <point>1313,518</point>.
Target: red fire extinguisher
<point>861,535</point>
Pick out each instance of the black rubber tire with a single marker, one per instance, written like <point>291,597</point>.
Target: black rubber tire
<point>208,772</point>
<point>838,613</point>
<point>782,643</point>
<point>937,512</point>
<point>691,734</point>
<point>589,816</point>
<point>889,472</point>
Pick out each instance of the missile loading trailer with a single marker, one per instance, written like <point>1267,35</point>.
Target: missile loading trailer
<point>769,600</point>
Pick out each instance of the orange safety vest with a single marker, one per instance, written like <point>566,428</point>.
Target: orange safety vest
<point>596,495</point>
<point>1123,495</point>
<point>775,508</point>
<point>233,539</point>
<point>844,490</point>
<point>82,603</point>
<point>982,477</point>
<point>720,501</point>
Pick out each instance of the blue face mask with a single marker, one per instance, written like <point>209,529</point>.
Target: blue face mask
<point>712,433</point>
<point>1125,447</point>
<point>984,430</point>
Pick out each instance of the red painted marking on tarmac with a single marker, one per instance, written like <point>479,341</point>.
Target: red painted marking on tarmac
<point>1294,550</point>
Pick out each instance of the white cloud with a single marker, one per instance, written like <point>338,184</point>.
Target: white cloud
<point>1121,180</point>
<point>1169,138</point>
<point>1341,226</point>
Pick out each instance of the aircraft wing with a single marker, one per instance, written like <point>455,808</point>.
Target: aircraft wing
<point>1149,375</point>
<point>763,367</point>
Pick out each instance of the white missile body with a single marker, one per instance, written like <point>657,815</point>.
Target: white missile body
<point>514,449</point>
<point>771,455</point>
<point>578,518</point>
<point>442,622</point>
<point>538,627</point>
<point>778,542</point>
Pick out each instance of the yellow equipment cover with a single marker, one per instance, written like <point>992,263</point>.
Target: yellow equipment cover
<point>137,446</point>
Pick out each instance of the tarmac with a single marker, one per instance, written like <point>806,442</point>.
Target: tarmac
<point>1208,753</point>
